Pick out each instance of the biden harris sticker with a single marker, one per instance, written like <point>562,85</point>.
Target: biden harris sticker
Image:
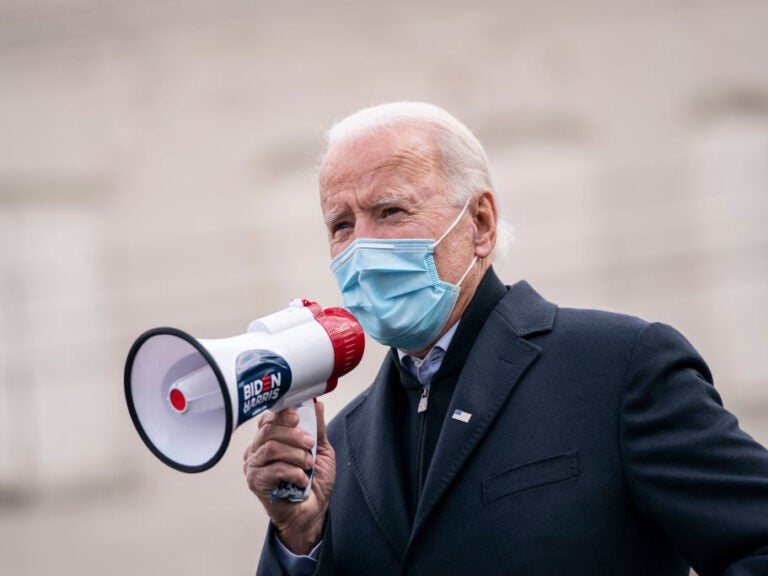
<point>263,377</point>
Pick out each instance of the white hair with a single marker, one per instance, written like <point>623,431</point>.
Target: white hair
<point>463,163</point>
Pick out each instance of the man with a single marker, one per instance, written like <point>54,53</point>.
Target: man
<point>502,435</point>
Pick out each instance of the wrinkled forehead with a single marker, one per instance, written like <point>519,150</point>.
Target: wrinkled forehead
<point>392,153</point>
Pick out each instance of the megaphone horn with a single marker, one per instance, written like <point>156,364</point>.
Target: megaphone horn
<point>186,395</point>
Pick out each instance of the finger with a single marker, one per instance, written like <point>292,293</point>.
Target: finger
<point>263,481</point>
<point>321,427</point>
<point>273,451</point>
<point>272,433</point>
<point>292,436</point>
<point>269,475</point>
<point>286,417</point>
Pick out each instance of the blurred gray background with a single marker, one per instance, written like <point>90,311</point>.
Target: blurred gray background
<point>157,167</point>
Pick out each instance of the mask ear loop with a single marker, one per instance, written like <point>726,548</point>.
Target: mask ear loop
<point>452,226</point>
<point>471,264</point>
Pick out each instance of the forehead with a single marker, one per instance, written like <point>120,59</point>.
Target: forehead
<point>388,156</point>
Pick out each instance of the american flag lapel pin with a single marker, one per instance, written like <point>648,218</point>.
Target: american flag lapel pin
<point>461,416</point>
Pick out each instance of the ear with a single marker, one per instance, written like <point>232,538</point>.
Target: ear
<point>485,218</point>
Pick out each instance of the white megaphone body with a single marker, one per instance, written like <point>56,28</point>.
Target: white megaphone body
<point>186,395</point>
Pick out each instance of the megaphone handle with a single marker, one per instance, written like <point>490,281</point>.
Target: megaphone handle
<point>288,490</point>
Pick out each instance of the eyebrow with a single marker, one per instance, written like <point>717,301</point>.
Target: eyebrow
<point>332,217</point>
<point>387,201</point>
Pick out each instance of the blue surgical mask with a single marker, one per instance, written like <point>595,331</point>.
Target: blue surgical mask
<point>392,287</point>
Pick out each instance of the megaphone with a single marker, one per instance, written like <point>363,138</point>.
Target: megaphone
<point>186,395</point>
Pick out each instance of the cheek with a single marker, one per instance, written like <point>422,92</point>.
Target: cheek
<point>338,246</point>
<point>449,264</point>
<point>453,256</point>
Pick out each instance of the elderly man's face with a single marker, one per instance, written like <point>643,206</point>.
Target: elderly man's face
<point>387,185</point>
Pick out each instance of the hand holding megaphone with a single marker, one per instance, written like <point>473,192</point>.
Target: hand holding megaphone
<point>186,395</point>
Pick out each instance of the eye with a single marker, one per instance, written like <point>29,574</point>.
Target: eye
<point>390,211</point>
<point>340,226</point>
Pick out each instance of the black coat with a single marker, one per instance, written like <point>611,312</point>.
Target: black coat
<point>597,445</point>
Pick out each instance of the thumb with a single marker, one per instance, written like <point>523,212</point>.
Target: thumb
<point>322,437</point>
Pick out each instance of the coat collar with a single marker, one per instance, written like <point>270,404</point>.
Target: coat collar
<point>526,311</point>
<point>370,435</point>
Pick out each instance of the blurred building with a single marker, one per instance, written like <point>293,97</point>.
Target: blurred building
<point>157,164</point>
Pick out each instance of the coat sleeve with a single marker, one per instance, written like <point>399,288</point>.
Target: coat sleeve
<point>270,565</point>
<point>690,468</point>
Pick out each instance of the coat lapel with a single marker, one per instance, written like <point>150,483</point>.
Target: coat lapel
<point>498,360</point>
<point>369,431</point>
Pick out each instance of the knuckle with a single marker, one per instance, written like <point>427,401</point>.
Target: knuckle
<point>250,449</point>
<point>264,418</point>
<point>269,450</point>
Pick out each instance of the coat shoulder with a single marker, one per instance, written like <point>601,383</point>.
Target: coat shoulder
<point>529,314</point>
